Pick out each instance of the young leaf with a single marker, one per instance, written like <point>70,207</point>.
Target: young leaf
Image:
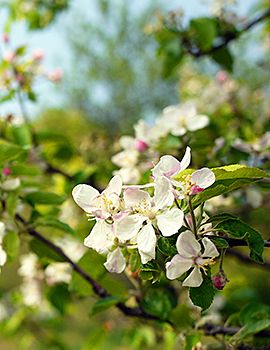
<point>11,244</point>
<point>55,223</point>
<point>203,30</point>
<point>43,251</point>
<point>9,152</point>
<point>47,198</point>
<point>59,297</point>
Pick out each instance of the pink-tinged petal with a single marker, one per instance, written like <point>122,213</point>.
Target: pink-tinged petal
<point>186,159</point>
<point>100,238</point>
<point>83,196</point>
<point>146,241</point>
<point>177,266</point>
<point>167,166</point>
<point>210,250</point>
<point>128,227</point>
<point>170,221</point>
<point>114,186</point>
<point>187,245</point>
<point>133,196</point>
<point>116,261</point>
<point>195,189</point>
<point>195,278</point>
<point>203,178</point>
<point>163,195</point>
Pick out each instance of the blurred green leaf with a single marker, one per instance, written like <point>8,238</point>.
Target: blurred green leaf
<point>46,198</point>
<point>224,58</point>
<point>11,244</point>
<point>59,297</point>
<point>203,31</point>
<point>43,251</point>
<point>9,151</point>
<point>55,223</point>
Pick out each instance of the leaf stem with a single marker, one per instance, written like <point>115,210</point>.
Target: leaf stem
<point>194,224</point>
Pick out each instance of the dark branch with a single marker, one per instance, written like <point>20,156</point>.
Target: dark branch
<point>230,36</point>
<point>97,288</point>
<point>236,242</point>
<point>246,259</point>
<point>212,330</point>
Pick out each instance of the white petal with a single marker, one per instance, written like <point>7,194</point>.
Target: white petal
<point>170,221</point>
<point>2,230</point>
<point>167,166</point>
<point>187,245</point>
<point>100,238</point>
<point>210,249</point>
<point>203,177</point>
<point>195,278</point>
<point>3,256</point>
<point>163,196</point>
<point>11,184</point>
<point>186,159</point>
<point>83,196</point>
<point>147,243</point>
<point>116,261</point>
<point>128,227</point>
<point>177,266</point>
<point>114,186</point>
<point>127,142</point>
<point>197,122</point>
<point>134,196</point>
<point>126,159</point>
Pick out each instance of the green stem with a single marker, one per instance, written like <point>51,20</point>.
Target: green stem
<point>185,220</point>
<point>222,254</point>
<point>192,217</point>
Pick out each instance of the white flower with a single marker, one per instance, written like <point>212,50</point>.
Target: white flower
<point>58,272</point>
<point>168,166</point>
<point>3,254</point>
<point>183,118</point>
<point>29,266</point>
<point>116,261</point>
<point>146,213</point>
<point>100,205</point>
<point>11,184</point>
<point>126,159</point>
<point>129,175</point>
<point>190,256</point>
<point>2,231</point>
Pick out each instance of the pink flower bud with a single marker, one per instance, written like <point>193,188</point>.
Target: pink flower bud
<point>6,171</point>
<point>56,75</point>
<point>141,146</point>
<point>9,56</point>
<point>38,55</point>
<point>195,189</point>
<point>5,38</point>
<point>20,78</point>
<point>220,280</point>
<point>222,76</point>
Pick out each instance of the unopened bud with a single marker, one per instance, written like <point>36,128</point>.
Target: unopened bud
<point>38,55</point>
<point>5,38</point>
<point>195,189</point>
<point>222,76</point>
<point>56,75</point>
<point>141,145</point>
<point>220,280</point>
<point>6,171</point>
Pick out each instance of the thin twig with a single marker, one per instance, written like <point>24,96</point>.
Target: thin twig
<point>210,329</point>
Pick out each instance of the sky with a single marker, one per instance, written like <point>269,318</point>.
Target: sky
<point>52,41</point>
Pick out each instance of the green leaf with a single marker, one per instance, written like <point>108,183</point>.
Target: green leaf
<point>43,251</point>
<point>22,135</point>
<point>104,304</point>
<point>9,151</point>
<point>191,340</point>
<point>220,242</point>
<point>250,329</point>
<point>134,261</point>
<point>229,178</point>
<point>150,271</point>
<point>55,223</point>
<point>253,312</point>
<point>22,170</point>
<point>59,297</point>
<point>11,203</point>
<point>47,198</point>
<point>204,31</point>
<point>167,246</point>
<point>203,296</point>
<point>11,244</point>
<point>238,229</point>
<point>159,302</point>
<point>224,58</point>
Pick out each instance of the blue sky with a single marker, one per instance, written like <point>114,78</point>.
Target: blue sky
<point>52,40</point>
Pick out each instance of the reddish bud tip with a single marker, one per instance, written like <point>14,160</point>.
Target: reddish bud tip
<point>6,171</point>
<point>141,146</point>
<point>220,280</point>
<point>195,189</point>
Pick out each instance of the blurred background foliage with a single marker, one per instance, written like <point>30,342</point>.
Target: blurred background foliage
<point>127,64</point>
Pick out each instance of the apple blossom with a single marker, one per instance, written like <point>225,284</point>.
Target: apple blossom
<point>190,256</point>
<point>116,261</point>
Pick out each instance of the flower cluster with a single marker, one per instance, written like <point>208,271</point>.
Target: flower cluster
<point>141,150</point>
<point>134,216</point>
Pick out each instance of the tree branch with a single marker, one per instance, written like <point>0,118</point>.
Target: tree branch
<point>97,288</point>
<point>246,259</point>
<point>212,330</point>
<point>230,36</point>
<point>236,242</point>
